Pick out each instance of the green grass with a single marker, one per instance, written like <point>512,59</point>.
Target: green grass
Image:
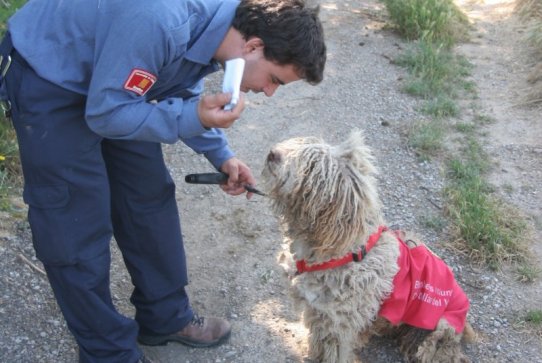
<point>426,137</point>
<point>441,107</point>
<point>534,317</point>
<point>436,75</point>
<point>7,8</point>
<point>534,35</point>
<point>434,21</point>
<point>483,119</point>
<point>491,232</point>
<point>465,127</point>
<point>9,163</point>
<point>434,222</point>
<point>528,273</point>
<point>532,321</point>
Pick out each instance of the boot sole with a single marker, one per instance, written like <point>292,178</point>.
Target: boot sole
<point>164,339</point>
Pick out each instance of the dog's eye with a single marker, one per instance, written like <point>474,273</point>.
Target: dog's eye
<point>273,156</point>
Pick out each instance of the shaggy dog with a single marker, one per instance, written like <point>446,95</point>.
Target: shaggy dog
<point>353,276</point>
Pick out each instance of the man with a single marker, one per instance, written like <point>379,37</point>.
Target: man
<point>93,88</point>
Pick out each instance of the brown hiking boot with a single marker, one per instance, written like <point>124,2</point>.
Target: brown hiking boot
<point>199,333</point>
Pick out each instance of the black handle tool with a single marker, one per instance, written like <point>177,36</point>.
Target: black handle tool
<point>206,178</point>
<point>216,178</point>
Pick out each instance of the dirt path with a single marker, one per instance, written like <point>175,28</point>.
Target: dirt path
<point>232,244</point>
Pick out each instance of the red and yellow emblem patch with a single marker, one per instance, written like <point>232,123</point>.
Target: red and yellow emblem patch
<point>139,81</point>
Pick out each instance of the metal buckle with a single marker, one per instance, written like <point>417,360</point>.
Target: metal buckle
<point>6,67</point>
<point>5,104</point>
<point>6,107</point>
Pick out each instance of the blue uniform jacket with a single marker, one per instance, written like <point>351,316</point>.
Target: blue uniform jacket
<point>122,54</point>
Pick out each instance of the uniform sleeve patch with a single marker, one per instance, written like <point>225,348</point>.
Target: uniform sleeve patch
<point>139,81</point>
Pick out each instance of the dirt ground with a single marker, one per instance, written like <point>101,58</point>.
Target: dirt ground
<point>232,244</point>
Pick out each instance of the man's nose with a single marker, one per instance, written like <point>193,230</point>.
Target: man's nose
<point>270,89</point>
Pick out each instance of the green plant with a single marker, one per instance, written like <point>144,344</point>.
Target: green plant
<point>426,137</point>
<point>7,8</point>
<point>435,74</point>
<point>483,119</point>
<point>491,232</point>
<point>435,21</point>
<point>464,127</point>
<point>531,320</point>
<point>9,162</point>
<point>528,273</point>
<point>509,188</point>
<point>533,316</point>
<point>441,107</point>
<point>428,64</point>
<point>435,222</point>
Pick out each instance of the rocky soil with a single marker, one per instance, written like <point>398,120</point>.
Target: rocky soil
<point>232,244</point>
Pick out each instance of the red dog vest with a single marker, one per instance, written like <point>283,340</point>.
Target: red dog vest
<point>425,290</point>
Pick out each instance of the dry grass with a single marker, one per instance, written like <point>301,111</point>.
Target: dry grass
<point>530,7</point>
<point>531,12</point>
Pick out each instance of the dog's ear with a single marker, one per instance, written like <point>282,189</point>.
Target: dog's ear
<point>356,152</point>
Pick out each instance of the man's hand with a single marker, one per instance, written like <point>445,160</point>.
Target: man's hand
<point>239,175</point>
<point>211,110</point>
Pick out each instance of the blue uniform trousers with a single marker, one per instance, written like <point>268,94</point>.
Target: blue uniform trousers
<point>81,189</point>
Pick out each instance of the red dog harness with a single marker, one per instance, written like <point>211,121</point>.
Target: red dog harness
<point>351,257</point>
<point>424,289</point>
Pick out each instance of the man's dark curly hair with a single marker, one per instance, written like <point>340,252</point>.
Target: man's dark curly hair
<point>291,33</point>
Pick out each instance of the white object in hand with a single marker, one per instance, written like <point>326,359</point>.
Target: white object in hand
<point>233,74</point>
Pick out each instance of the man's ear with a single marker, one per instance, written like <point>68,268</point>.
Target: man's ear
<point>252,45</point>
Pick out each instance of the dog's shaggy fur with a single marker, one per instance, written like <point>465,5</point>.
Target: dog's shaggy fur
<point>327,201</point>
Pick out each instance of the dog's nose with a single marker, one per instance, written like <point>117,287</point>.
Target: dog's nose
<point>273,156</point>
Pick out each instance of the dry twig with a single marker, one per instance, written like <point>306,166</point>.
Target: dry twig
<point>31,264</point>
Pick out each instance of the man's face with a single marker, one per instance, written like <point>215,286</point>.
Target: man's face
<point>261,75</point>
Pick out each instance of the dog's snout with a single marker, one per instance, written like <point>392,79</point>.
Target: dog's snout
<point>273,157</point>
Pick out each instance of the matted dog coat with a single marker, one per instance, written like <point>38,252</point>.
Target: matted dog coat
<point>425,291</point>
